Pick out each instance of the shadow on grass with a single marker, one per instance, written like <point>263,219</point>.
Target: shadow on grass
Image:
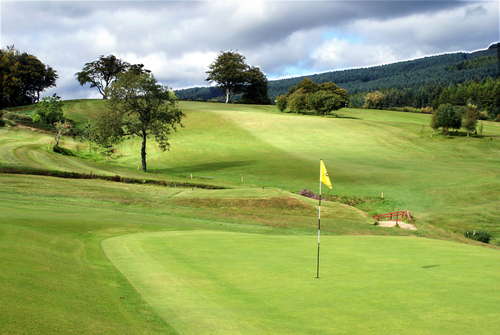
<point>340,116</point>
<point>207,167</point>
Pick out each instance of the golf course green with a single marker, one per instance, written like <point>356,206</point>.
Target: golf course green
<point>104,257</point>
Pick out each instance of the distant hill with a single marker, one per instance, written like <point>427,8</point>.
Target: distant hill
<point>435,71</point>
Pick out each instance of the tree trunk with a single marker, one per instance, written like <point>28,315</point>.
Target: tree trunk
<point>228,93</point>
<point>143,151</point>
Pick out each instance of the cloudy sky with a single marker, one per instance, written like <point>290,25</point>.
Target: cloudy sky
<point>178,40</point>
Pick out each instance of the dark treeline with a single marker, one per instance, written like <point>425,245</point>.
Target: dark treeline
<point>22,78</point>
<point>201,94</point>
<point>416,83</point>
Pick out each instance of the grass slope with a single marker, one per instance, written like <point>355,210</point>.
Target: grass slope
<point>56,278</point>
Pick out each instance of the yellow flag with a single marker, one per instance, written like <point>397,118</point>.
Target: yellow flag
<point>324,175</point>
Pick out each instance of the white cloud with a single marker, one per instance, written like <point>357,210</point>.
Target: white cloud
<point>177,40</point>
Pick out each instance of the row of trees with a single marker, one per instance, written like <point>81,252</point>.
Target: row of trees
<point>449,117</point>
<point>23,78</point>
<point>485,95</point>
<point>307,95</point>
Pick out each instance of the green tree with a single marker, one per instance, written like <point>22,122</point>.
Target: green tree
<point>230,72</point>
<point>281,102</point>
<point>297,101</point>
<point>49,110</point>
<point>102,72</point>
<point>470,119</point>
<point>140,106</point>
<point>332,87</point>
<point>23,77</point>
<point>89,133</point>
<point>306,85</point>
<point>375,100</point>
<point>324,102</point>
<point>62,128</point>
<point>255,92</point>
<point>446,118</point>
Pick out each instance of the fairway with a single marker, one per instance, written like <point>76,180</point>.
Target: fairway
<point>206,282</point>
<point>104,257</point>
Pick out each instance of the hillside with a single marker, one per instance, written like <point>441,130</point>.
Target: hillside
<point>368,152</point>
<point>433,71</point>
<point>104,256</point>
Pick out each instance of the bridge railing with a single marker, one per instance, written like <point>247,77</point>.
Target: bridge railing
<point>394,216</point>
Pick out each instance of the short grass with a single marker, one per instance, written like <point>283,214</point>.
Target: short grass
<point>207,282</point>
<point>56,278</point>
<point>450,183</point>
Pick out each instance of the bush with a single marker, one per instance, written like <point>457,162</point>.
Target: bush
<point>477,235</point>
<point>427,110</point>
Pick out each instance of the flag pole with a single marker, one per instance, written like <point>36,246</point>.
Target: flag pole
<point>319,218</point>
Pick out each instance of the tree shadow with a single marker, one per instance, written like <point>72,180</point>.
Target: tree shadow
<point>208,167</point>
<point>340,116</point>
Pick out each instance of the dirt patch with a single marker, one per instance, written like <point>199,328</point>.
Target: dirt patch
<point>400,224</point>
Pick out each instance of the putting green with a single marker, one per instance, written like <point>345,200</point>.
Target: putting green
<point>206,282</point>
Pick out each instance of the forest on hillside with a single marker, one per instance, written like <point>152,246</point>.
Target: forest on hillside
<point>416,83</point>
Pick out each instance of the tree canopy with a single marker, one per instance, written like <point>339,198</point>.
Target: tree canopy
<point>139,106</point>
<point>102,72</point>
<point>49,110</point>
<point>323,98</point>
<point>232,74</point>
<point>23,78</point>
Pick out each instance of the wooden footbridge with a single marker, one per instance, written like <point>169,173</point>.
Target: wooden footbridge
<point>395,219</point>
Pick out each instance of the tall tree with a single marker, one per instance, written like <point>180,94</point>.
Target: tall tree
<point>230,72</point>
<point>470,119</point>
<point>282,102</point>
<point>446,118</point>
<point>140,106</point>
<point>297,101</point>
<point>102,72</point>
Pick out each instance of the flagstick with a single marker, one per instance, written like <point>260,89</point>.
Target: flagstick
<point>319,222</point>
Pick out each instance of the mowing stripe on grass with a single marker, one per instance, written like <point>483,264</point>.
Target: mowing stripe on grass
<point>206,282</point>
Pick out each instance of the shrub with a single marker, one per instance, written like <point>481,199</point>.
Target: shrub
<point>477,235</point>
<point>427,110</point>
<point>306,193</point>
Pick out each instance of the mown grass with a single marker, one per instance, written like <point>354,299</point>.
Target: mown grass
<point>227,283</point>
<point>56,278</point>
